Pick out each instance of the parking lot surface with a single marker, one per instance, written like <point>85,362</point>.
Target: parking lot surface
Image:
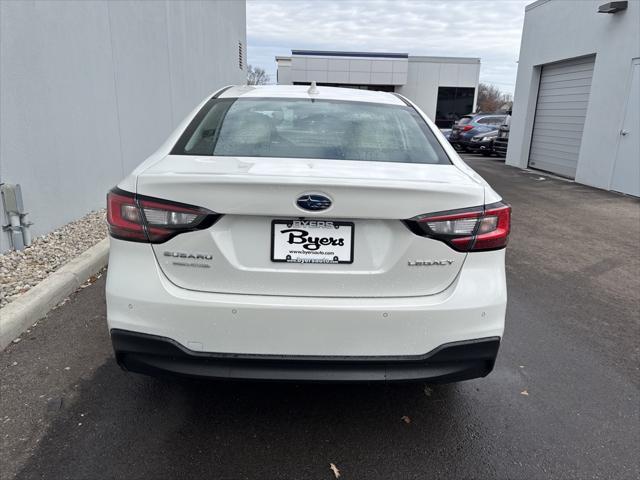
<point>562,402</point>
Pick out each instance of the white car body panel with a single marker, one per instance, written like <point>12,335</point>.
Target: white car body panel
<point>242,303</point>
<point>250,192</point>
<point>240,247</point>
<point>141,299</point>
<point>325,93</point>
<point>236,185</point>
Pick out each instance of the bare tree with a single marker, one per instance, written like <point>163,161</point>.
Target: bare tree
<point>256,76</point>
<point>492,99</point>
<point>507,102</point>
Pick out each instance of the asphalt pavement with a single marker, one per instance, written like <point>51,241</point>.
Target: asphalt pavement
<point>562,402</point>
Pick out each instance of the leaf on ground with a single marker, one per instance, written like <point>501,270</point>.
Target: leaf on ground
<point>525,393</point>
<point>428,391</point>
<point>405,419</point>
<point>335,470</point>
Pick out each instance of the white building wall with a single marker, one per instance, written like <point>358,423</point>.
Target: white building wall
<point>284,71</point>
<point>348,70</point>
<point>418,78</point>
<point>427,74</point>
<point>89,89</point>
<point>556,30</point>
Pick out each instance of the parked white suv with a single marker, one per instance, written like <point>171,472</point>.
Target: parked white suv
<point>296,233</point>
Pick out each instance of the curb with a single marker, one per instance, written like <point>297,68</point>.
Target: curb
<point>27,309</point>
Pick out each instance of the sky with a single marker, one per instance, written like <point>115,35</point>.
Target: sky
<point>487,29</point>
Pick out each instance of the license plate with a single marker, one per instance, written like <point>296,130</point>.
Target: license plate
<point>311,241</point>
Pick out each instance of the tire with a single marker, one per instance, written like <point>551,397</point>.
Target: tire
<point>486,154</point>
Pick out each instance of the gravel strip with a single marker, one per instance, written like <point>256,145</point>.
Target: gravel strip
<point>22,270</point>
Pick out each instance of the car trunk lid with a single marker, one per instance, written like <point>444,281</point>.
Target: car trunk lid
<point>370,199</point>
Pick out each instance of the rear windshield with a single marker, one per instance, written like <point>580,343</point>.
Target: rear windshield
<point>309,128</point>
<point>463,121</point>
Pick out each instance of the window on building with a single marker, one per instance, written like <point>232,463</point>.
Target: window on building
<point>453,103</point>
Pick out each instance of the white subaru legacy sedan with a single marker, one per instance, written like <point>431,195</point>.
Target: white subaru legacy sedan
<point>307,233</point>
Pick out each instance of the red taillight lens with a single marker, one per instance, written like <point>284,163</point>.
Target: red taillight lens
<point>124,217</point>
<point>143,219</point>
<point>466,128</point>
<point>473,229</point>
<point>493,232</point>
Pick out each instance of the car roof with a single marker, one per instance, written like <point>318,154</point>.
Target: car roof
<point>302,91</point>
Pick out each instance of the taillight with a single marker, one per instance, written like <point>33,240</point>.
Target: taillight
<point>467,230</point>
<point>124,217</point>
<point>466,128</point>
<point>140,218</point>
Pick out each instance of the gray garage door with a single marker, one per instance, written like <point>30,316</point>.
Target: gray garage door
<point>563,98</point>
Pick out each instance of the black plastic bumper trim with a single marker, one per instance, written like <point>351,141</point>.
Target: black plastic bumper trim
<point>155,355</point>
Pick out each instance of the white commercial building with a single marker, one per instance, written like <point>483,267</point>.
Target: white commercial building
<point>443,87</point>
<point>577,98</point>
<point>89,89</point>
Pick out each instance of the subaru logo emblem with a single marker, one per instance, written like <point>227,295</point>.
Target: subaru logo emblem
<point>313,202</point>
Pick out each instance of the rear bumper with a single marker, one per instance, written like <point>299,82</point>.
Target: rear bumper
<point>154,355</point>
<point>461,139</point>
<point>480,146</point>
<point>141,299</point>
<point>500,146</point>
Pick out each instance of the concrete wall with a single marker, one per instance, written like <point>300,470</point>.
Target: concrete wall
<point>557,30</point>
<point>426,74</point>
<point>89,89</point>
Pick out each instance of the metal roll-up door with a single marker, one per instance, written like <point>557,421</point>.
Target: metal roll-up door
<point>563,98</point>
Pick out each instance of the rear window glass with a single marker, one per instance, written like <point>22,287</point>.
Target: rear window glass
<point>463,121</point>
<point>491,120</point>
<point>301,128</point>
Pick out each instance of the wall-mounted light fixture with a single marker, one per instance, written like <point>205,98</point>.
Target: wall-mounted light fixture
<point>613,7</point>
